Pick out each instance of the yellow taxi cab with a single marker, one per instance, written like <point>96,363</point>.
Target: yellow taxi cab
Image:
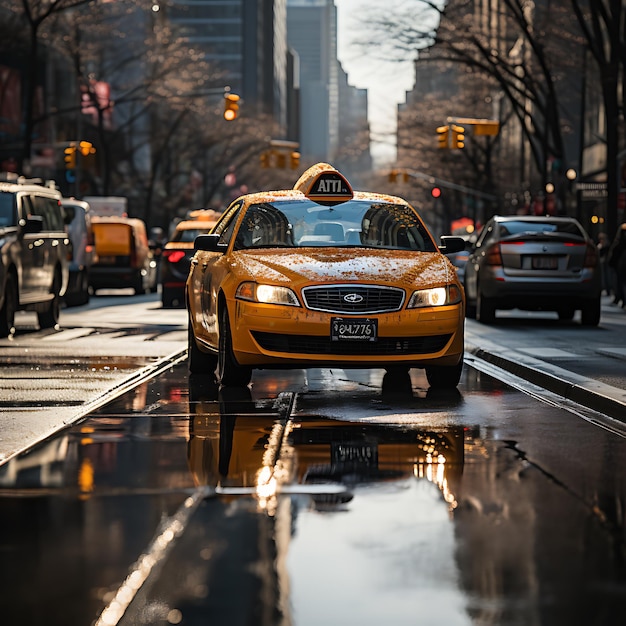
<point>324,276</point>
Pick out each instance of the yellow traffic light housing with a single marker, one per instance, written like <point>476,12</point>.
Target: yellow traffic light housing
<point>231,106</point>
<point>86,148</point>
<point>393,176</point>
<point>458,136</point>
<point>295,160</point>
<point>70,157</point>
<point>443,134</point>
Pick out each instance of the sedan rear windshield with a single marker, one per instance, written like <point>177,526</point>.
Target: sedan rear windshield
<point>555,228</point>
<point>357,223</point>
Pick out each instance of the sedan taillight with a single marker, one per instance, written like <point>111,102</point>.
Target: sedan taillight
<point>174,256</point>
<point>591,256</point>
<point>494,256</point>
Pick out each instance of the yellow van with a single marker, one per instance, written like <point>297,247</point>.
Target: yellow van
<point>123,256</point>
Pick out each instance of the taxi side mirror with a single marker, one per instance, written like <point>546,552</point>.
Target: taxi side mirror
<point>450,244</point>
<point>208,243</point>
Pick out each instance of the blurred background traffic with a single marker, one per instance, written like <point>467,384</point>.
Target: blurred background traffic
<point>515,108</point>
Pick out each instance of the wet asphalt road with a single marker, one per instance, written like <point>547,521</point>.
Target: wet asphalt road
<point>318,497</point>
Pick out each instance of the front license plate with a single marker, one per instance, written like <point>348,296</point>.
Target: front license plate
<point>545,263</point>
<point>364,329</point>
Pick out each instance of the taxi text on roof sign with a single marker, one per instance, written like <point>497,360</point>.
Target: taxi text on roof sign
<point>323,184</point>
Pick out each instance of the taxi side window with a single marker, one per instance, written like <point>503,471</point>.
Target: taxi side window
<point>226,226</point>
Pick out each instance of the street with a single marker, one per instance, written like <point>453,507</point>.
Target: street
<point>315,496</point>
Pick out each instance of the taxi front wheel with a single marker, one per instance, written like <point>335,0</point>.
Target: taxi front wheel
<point>444,376</point>
<point>229,373</point>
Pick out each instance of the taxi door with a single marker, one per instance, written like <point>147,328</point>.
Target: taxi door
<point>208,272</point>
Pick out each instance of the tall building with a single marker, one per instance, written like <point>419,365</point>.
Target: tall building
<point>312,33</point>
<point>247,39</point>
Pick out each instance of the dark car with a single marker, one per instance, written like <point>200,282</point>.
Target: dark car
<point>533,263</point>
<point>34,250</point>
<point>176,258</point>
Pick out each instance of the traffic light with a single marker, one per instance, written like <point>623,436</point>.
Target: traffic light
<point>295,160</point>
<point>86,148</point>
<point>231,106</point>
<point>393,176</point>
<point>458,136</point>
<point>265,160</point>
<point>70,157</point>
<point>443,132</point>
<point>435,192</point>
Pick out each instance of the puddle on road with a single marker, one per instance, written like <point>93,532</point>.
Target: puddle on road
<point>437,516</point>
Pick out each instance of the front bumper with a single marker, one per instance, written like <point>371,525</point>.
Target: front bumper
<point>283,336</point>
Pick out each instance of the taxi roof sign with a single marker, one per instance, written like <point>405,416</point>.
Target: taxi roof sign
<point>323,184</point>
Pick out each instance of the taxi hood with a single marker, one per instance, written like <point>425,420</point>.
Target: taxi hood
<point>397,267</point>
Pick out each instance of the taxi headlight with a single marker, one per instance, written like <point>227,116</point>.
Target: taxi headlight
<point>267,294</point>
<point>438,296</point>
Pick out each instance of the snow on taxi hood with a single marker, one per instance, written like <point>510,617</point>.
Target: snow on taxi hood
<point>396,267</point>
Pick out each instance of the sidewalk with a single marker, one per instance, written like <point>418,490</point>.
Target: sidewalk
<point>586,366</point>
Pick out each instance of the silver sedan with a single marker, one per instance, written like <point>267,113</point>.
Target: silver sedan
<point>533,264</point>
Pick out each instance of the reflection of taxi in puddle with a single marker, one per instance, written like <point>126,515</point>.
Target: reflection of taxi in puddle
<point>234,442</point>
<point>321,276</point>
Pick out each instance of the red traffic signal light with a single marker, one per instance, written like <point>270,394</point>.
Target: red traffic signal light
<point>435,192</point>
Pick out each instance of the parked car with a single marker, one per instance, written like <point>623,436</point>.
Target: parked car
<point>322,276</point>
<point>124,258</point>
<point>533,263</point>
<point>176,257</point>
<point>34,249</point>
<point>78,216</point>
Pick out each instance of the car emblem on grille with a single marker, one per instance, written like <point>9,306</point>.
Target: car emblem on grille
<point>353,298</point>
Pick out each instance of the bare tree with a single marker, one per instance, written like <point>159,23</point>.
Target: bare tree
<point>34,14</point>
<point>603,23</point>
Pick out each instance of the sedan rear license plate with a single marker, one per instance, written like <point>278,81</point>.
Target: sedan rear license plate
<point>545,263</point>
<point>362,329</point>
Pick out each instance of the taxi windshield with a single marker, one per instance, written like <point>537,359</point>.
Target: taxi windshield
<point>357,223</point>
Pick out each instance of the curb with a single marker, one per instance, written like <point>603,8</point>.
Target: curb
<point>584,391</point>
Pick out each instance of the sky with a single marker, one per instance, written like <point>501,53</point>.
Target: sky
<point>386,82</point>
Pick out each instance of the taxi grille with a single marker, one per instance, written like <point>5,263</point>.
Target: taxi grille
<point>311,344</point>
<point>353,299</point>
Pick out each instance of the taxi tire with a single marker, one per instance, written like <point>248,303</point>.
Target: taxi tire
<point>9,308</point>
<point>49,316</point>
<point>444,376</point>
<point>198,362</point>
<point>228,372</point>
